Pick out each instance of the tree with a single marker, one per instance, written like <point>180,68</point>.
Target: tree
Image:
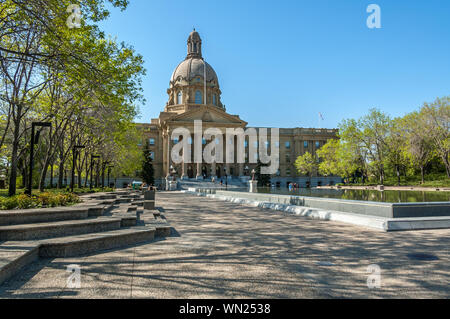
<point>263,179</point>
<point>437,126</point>
<point>81,82</point>
<point>338,158</point>
<point>418,143</point>
<point>306,164</point>
<point>395,155</point>
<point>148,173</point>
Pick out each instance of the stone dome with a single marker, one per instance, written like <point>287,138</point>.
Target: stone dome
<point>194,64</point>
<point>191,68</point>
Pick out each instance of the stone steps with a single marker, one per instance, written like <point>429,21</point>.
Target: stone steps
<point>59,228</point>
<point>26,235</point>
<point>14,256</point>
<point>89,243</point>
<point>42,215</point>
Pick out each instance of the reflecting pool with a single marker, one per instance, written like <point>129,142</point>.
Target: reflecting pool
<point>388,196</point>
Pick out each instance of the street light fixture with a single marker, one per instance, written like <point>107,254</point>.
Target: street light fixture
<point>34,140</point>
<point>92,168</point>
<point>253,174</point>
<point>74,163</point>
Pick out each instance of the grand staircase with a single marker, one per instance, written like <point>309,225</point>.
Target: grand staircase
<point>101,222</point>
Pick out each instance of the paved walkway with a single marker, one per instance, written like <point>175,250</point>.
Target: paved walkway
<point>224,250</point>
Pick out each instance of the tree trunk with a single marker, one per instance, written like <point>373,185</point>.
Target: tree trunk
<point>422,173</point>
<point>60,174</point>
<point>15,149</point>
<point>79,171</point>
<point>397,169</point>
<point>44,174</point>
<point>51,175</point>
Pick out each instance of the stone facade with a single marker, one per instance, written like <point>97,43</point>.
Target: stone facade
<point>187,91</point>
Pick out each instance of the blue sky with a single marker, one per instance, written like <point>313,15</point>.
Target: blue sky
<point>282,62</point>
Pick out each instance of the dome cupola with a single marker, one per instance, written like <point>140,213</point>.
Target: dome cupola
<point>194,82</point>
<point>194,45</point>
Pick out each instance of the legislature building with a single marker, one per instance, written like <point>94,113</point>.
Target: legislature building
<point>194,94</point>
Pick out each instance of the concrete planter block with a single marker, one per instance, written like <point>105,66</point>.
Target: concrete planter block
<point>149,204</point>
<point>149,195</point>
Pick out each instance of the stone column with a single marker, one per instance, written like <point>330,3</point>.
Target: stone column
<point>213,169</point>
<point>227,167</point>
<point>199,171</point>
<point>169,150</point>
<point>241,169</point>
<point>184,171</point>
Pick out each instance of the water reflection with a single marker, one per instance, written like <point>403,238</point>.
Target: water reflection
<point>388,196</point>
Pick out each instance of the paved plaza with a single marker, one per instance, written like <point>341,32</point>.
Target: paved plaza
<point>225,250</point>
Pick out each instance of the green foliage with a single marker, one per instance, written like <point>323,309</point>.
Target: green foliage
<point>84,82</point>
<point>392,151</point>
<point>147,173</point>
<point>306,164</point>
<point>42,200</point>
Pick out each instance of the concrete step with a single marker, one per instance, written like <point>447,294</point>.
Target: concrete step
<point>58,229</point>
<point>95,242</point>
<point>28,216</point>
<point>14,256</point>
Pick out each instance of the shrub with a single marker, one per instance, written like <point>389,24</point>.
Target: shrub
<point>25,202</point>
<point>44,199</point>
<point>9,202</point>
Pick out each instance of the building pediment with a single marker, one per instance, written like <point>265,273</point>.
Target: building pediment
<point>206,114</point>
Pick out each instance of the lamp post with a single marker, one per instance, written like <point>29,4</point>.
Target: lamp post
<point>74,163</point>
<point>34,140</point>
<point>104,165</point>
<point>92,168</point>
<point>253,174</point>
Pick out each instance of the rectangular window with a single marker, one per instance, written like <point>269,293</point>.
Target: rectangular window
<point>152,141</point>
<point>288,145</point>
<point>305,144</point>
<point>288,158</point>
<point>152,155</point>
<point>317,144</point>
<point>288,172</point>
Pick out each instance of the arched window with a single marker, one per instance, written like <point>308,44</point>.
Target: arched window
<point>198,97</point>
<point>180,98</point>
<point>214,100</point>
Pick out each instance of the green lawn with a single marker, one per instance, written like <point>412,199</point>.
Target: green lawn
<point>431,180</point>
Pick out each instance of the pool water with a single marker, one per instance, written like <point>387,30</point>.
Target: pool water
<point>388,196</point>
